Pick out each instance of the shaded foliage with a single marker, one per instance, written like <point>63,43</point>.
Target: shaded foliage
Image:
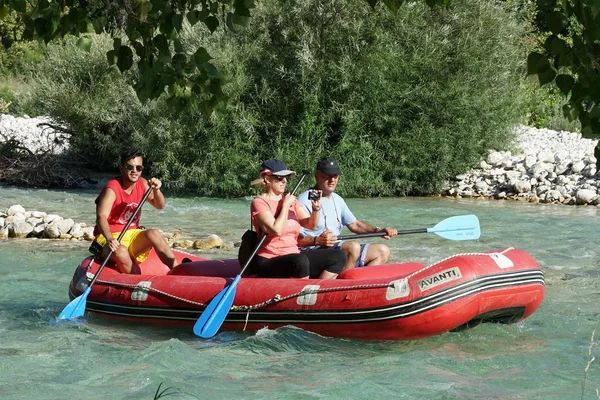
<point>21,167</point>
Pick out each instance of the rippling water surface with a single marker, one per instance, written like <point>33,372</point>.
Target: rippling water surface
<point>542,357</point>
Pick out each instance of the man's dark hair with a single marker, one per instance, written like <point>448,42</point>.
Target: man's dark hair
<point>130,153</point>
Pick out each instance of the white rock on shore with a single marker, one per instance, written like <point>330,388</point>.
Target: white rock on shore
<point>33,134</point>
<point>552,167</point>
<point>16,222</point>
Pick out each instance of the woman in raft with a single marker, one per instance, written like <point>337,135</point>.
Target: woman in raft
<point>280,217</point>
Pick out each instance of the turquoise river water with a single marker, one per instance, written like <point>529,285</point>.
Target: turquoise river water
<point>547,356</point>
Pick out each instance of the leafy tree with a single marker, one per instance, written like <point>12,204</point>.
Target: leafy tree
<point>569,58</point>
<point>152,29</point>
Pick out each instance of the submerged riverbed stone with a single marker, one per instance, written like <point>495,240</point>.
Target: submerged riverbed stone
<point>183,244</point>
<point>210,242</point>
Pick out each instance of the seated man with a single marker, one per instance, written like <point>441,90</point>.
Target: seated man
<point>335,214</point>
<point>114,207</point>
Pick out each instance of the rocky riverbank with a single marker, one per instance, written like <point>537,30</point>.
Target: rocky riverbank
<point>34,153</point>
<point>39,134</point>
<point>549,167</point>
<point>16,222</point>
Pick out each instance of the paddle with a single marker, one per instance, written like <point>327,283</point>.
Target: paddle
<point>76,308</point>
<point>460,227</point>
<point>215,313</point>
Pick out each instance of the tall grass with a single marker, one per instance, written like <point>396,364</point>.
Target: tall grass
<point>403,101</point>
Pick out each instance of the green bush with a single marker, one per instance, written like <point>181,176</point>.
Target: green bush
<point>403,101</point>
<point>16,64</point>
<point>543,107</point>
<point>20,58</point>
<point>103,115</point>
<point>80,90</point>
<point>7,96</point>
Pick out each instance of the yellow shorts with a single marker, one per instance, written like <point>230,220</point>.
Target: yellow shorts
<point>126,241</point>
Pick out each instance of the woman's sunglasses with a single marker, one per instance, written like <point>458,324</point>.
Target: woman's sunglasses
<point>279,177</point>
<point>138,168</point>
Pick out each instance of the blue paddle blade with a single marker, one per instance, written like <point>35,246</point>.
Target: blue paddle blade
<point>215,313</point>
<point>76,308</point>
<point>461,227</point>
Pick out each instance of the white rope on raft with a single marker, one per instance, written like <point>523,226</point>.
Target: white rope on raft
<point>455,256</point>
<point>277,298</point>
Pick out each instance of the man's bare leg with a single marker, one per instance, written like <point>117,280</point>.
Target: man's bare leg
<point>377,254</point>
<point>152,238</point>
<point>352,250</point>
<point>120,257</point>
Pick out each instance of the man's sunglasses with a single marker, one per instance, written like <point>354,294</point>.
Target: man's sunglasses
<point>138,168</point>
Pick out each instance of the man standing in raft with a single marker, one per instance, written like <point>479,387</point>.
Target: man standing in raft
<point>115,206</point>
<point>335,214</point>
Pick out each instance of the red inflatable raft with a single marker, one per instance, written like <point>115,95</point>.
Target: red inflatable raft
<point>395,301</point>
